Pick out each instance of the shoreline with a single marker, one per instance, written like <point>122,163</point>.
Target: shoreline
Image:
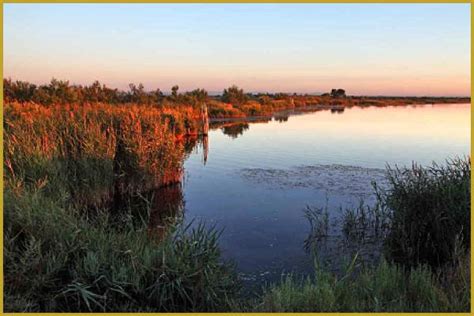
<point>315,108</point>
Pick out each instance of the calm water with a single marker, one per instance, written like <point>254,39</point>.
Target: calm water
<point>260,176</point>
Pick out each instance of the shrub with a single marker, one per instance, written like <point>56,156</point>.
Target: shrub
<point>234,95</point>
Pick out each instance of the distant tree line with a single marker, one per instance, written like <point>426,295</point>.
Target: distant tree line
<point>62,92</point>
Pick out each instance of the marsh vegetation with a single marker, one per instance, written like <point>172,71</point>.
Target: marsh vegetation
<point>94,211</point>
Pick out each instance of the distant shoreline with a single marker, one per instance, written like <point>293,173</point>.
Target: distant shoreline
<point>234,102</point>
<point>309,108</point>
<point>301,103</point>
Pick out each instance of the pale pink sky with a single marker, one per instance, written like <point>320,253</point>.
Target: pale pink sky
<point>366,49</point>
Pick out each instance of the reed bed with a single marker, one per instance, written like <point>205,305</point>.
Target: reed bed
<point>95,148</point>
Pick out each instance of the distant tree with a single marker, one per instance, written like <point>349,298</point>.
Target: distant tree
<point>21,91</point>
<point>338,93</point>
<point>195,97</point>
<point>199,94</point>
<point>138,94</point>
<point>93,92</point>
<point>174,92</point>
<point>158,96</point>
<point>265,100</point>
<point>61,92</point>
<point>234,95</point>
<point>281,96</point>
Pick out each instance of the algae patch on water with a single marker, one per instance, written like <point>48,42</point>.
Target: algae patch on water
<point>334,178</point>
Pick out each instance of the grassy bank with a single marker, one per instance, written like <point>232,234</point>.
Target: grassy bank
<point>385,288</point>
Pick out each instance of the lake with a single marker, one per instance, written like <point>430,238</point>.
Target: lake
<point>259,176</point>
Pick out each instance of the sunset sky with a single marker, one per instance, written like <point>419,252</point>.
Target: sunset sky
<point>369,49</point>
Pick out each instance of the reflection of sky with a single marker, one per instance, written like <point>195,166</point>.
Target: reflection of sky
<point>264,224</point>
<point>368,137</point>
<point>390,49</point>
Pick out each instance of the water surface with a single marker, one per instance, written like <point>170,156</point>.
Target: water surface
<point>259,176</point>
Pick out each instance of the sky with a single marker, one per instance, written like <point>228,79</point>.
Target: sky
<point>366,49</point>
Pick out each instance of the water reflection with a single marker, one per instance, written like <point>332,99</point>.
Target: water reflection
<point>167,210</point>
<point>195,143</point>
<point>235,130</point>
<point>281,117</point>
<point>167,202</point>
<point>262,215</point>
<point>235,127</point>
<point>337,110</point>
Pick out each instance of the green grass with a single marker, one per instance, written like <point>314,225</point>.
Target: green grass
<point>58,260</point>
<point>384,288</point>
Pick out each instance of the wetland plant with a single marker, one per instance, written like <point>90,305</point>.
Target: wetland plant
<point>430,212</point>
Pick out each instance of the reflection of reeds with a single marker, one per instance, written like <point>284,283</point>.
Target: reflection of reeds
<point>365,223</point>
<point>265,105</point>
<point>235,130</point>
<point>166,210</point>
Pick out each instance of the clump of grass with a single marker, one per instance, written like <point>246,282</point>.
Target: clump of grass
<point>318,219</point>
<point>366,223</point>
<point>421,217</point>
<point>385,288</point>
<point>430,212</point>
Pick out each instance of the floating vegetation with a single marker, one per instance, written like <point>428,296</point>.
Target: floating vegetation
<point>340,179</point>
